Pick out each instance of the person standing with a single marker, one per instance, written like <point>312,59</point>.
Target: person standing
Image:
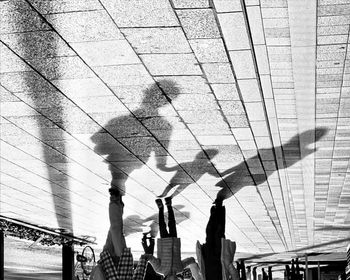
<point>116,260</point>
<point>168,261</point>
<point>149,250</point>
<point>216,255</point>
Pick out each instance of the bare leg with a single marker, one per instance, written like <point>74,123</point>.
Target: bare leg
<point>109,244</point>
<point>115,236</point>
<point>171,218</point>
<point>161,220</point>
<point>118,181</point>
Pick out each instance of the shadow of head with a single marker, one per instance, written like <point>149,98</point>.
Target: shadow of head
<point>160,94</point>
<point>318,133</point>
<point>310,136</point>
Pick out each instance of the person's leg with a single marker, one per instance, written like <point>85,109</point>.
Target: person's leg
<point>161,221</point>
<point>221,217</point>
<point>118,180</point>
<point>116,234</point>
<point>211,226</point>
<point>109,244</point>
<point>212,257</point>
<point>171,218</point>
<point>219,228</point>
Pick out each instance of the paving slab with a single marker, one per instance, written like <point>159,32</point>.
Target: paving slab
<point>185,4</point>
<point>218,72</point>
<point>141,13</point>
<point>199,23</point>
<point>171,64</point>
<point>222,6</point>
<point>238,39</point>
<point>157,40</point>
<point>243,64</point>
<point>225,91</point>
<point>58,6</point>
<point>85,26</point>
<point>104,53</point>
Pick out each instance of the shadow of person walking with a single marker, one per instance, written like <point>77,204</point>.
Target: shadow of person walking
<point>236,179</point>
<point>128,141</point>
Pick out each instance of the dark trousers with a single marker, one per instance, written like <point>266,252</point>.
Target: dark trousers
<point>211,250</point>
<point>171,223</point>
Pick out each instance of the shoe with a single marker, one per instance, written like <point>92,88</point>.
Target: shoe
<point>168,201</point>
<point>159,203</point>
<point>147,233</point>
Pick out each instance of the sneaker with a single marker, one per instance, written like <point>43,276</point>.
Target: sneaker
<point>168,201</point>
<point>147,233</point>
<point>159,203</point>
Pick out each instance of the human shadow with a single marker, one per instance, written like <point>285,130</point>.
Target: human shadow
<point>128,140</point>
<point>237,176</point>
<point>134,223</point>
<point>37,52</point>
<point>201,164</point>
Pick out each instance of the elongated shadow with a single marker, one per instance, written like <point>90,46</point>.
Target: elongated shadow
<point>134,223</point>
<point>237,176</point>
<point>31,47</point>
<point>128,143</point>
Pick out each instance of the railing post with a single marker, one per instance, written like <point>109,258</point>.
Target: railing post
<point>67,261</point>
<point>2,245</point>
<point>306,268</point>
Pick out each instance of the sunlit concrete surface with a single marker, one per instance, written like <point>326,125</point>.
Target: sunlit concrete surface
<point>125,91</point>
<point>27,261</point>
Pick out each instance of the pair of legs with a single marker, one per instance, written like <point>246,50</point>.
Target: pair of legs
<point>171,219</point>
<point>211,250</point>
<point>115,242</point>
